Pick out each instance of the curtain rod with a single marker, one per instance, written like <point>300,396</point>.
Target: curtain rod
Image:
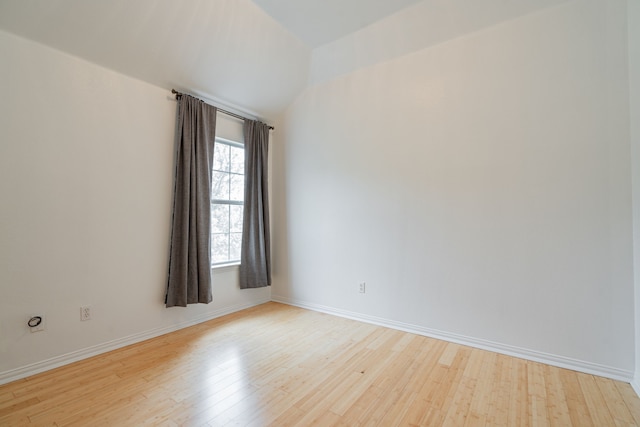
<point>228,113</point>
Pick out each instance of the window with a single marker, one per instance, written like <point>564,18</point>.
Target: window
<point>227,201</point>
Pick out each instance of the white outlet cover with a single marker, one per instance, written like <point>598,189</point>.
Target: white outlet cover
<point>85,312</point>
<point>41,326</point>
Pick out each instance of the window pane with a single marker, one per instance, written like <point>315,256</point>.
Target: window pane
<point>237,187</point>
<point>227,183</point>
<point>235,224</point>
<point>235,243</point>
<point>221,157</point>
<point>220,186</point>
<point>220,218</point>
<point>237,160</point>
<point>219,248</point>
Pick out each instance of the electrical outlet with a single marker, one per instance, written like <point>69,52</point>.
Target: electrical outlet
<point>85,313</point>
<point>362,287</point>
<point>38,322</point>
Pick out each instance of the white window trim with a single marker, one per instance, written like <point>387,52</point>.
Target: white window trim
<point>230,264</point>
<point>230,142</point>
<point>226,266</point>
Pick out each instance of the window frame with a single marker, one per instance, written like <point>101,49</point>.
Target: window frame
<point>225,202</point>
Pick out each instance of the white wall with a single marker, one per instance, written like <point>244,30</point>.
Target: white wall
<point>86,165</point>
<point>634,98</point>
<point>480,187</point>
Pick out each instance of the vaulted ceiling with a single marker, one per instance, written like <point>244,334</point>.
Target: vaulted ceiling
<point>317,22</point>
<point>254,55</point>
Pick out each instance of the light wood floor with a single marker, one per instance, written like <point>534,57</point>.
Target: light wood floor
<point>279,365</point>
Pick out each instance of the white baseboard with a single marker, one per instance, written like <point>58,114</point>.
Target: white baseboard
<point>522,353</point>
<point>536,356</point>
<point>65,359</point>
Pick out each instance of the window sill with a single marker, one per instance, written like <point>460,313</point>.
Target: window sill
<point>223,267</point>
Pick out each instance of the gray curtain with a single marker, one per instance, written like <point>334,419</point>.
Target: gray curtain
<point>190,247</point>
<point>255,260</point>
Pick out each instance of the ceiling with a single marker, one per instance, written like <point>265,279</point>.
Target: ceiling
<point>250,56</point>
<point>228,51</point>
<point>317,22</point>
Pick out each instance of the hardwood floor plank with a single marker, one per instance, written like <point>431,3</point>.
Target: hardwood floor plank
<point>501,391</point>
<point>449,354</point>
<point>262,411</point>
<point>411,374</point>
<point>7,398</point>
<point>459,411</point>
<point>538,414</point>
<point>284,366</point>
<point>121,392</point>
<point>519,402</point>
<point>630,398</point>
<point>596,403</point>
<point>556,402</point>
<point>367,371</point>
<point>614,401</point>
<point>482,369</point>
<point>359,411</point>
<point>16,405</point>
<point>578,410</point>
